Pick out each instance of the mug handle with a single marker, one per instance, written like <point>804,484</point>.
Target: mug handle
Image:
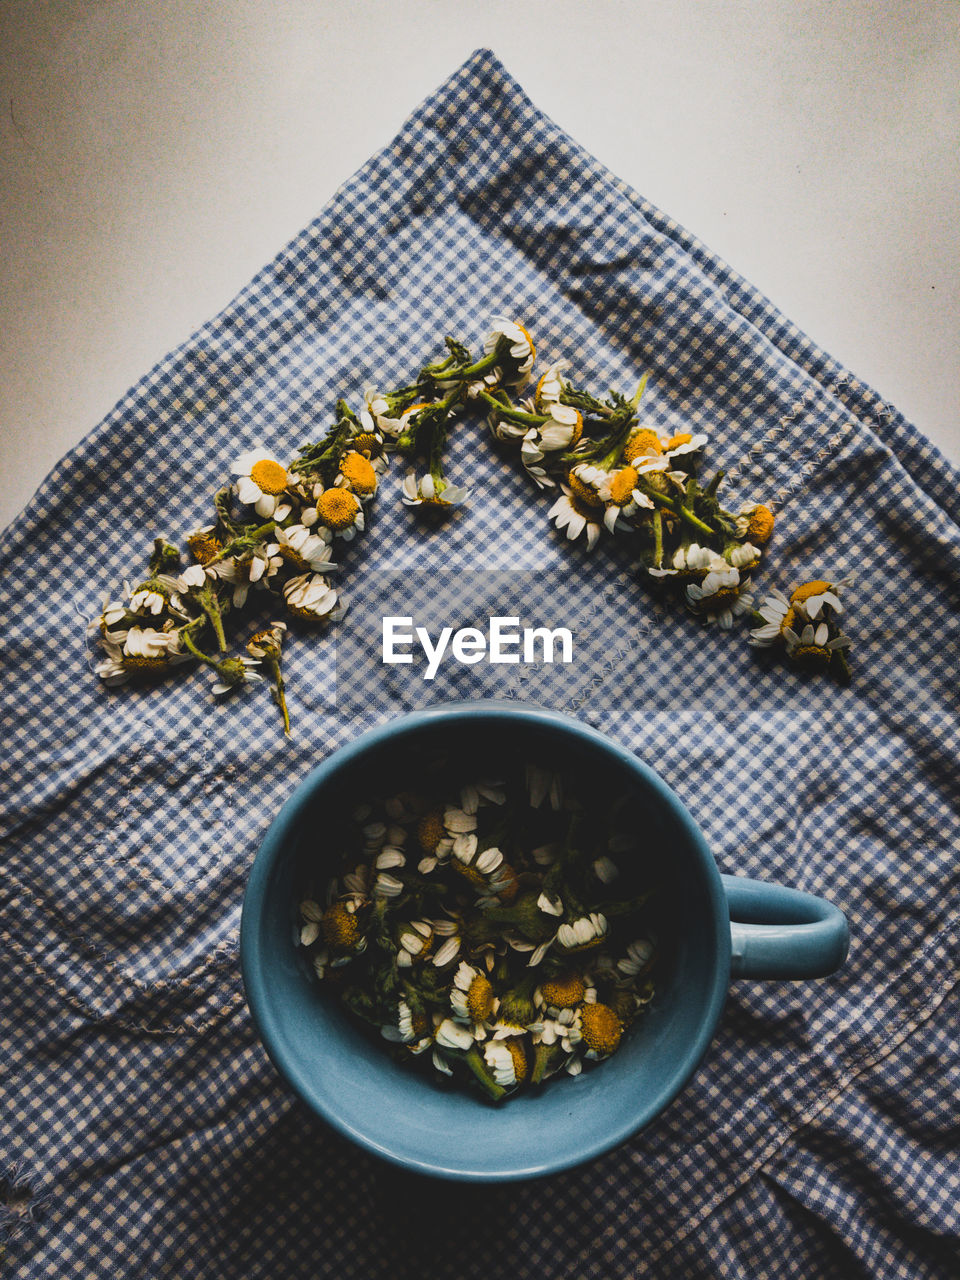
<point>777,932</point>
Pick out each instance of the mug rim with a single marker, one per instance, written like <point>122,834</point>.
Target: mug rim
<point>271,850</point>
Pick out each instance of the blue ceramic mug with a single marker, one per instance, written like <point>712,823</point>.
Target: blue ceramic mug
<point>713,928</point>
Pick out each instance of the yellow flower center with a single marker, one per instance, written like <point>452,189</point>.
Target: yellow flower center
<point>622,485</point>
<point>204,547</point>
<point>808,589</point>
<point>564,992</point>
<point>643,443</point>
<point>471,874</point>
<point>600,1027</point>
<point>269,476</point>
<point>430,831</point>
<point>676,441</point>
<point>337,508</point>
<point>414,408</point>
<point>584,494</point>
<point>367,443</point>
<point>811,655</point>
<point>358,473</point>
<point>294,557</point>
<point>480,999</point>
<point>139,662</point>
<point>340,927</point>
<point>761,525</point>
<point>521,1066</point>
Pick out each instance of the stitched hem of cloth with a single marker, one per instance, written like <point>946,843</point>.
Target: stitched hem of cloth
<point>96,988</point>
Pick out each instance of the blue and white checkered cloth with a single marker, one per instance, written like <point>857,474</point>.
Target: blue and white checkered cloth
<point>142,1130</point>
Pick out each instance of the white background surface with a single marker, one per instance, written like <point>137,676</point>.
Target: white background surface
<point>156,154</point>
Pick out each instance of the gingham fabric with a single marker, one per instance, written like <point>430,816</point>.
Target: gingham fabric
<point>143,1131</point>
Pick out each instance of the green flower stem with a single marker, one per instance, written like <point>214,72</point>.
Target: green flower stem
<point>436,371</point>
<point>675,508</point>
<point>657,520</point>
<point>474,1060</point>
<point>273,665</point>
<point>514,415</point>
<point>714,485</point>
<point>245,541</point>
<point>197,653</point>
<point>484,363</point>
<point>210,605</point>
<point>843,667</point>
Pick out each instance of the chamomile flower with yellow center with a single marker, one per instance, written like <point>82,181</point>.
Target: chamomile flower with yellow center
<point>311,597</point>
<point>755,523</point>
<point>820,596</point>
<point>776,612</point>
<point>646,443</point>
<point>580,508</point>
<point>432,834</point>
<point>583,933</point>
<point>149,651</point>
<point>306,551</point>
<point>244,572</point>
<point>600,1030</point>
<point>262,484</point>
<point>472,998</point>
<point>508,1060</point>
<point>358,475</point>
<point>563,430</point>
<point>622,497</point>
<point>814,647</point>
<point>520,353</point>
<point>430,493</point>
<point>720,597</point>
<point>339,511</point>
<point>341,927</point>
<point>565,991</point>
<point>370,443</point>
<point>414,1027</point>
<point>550,386</point>
<point>205,544</point>
<point>415,941</point>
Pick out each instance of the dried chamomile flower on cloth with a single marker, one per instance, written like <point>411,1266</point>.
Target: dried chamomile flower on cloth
<point>611,474</point>
<point>273,536</point>
<point>806,625</point>
<point>495,931</point>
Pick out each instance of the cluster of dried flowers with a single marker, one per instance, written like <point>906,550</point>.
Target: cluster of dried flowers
<point>488,930</point>
<point>275,531</point>
<point>612,475</point>
<point>276,526</point>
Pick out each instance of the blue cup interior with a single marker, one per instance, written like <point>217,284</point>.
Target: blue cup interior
<point>390,1108</point>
